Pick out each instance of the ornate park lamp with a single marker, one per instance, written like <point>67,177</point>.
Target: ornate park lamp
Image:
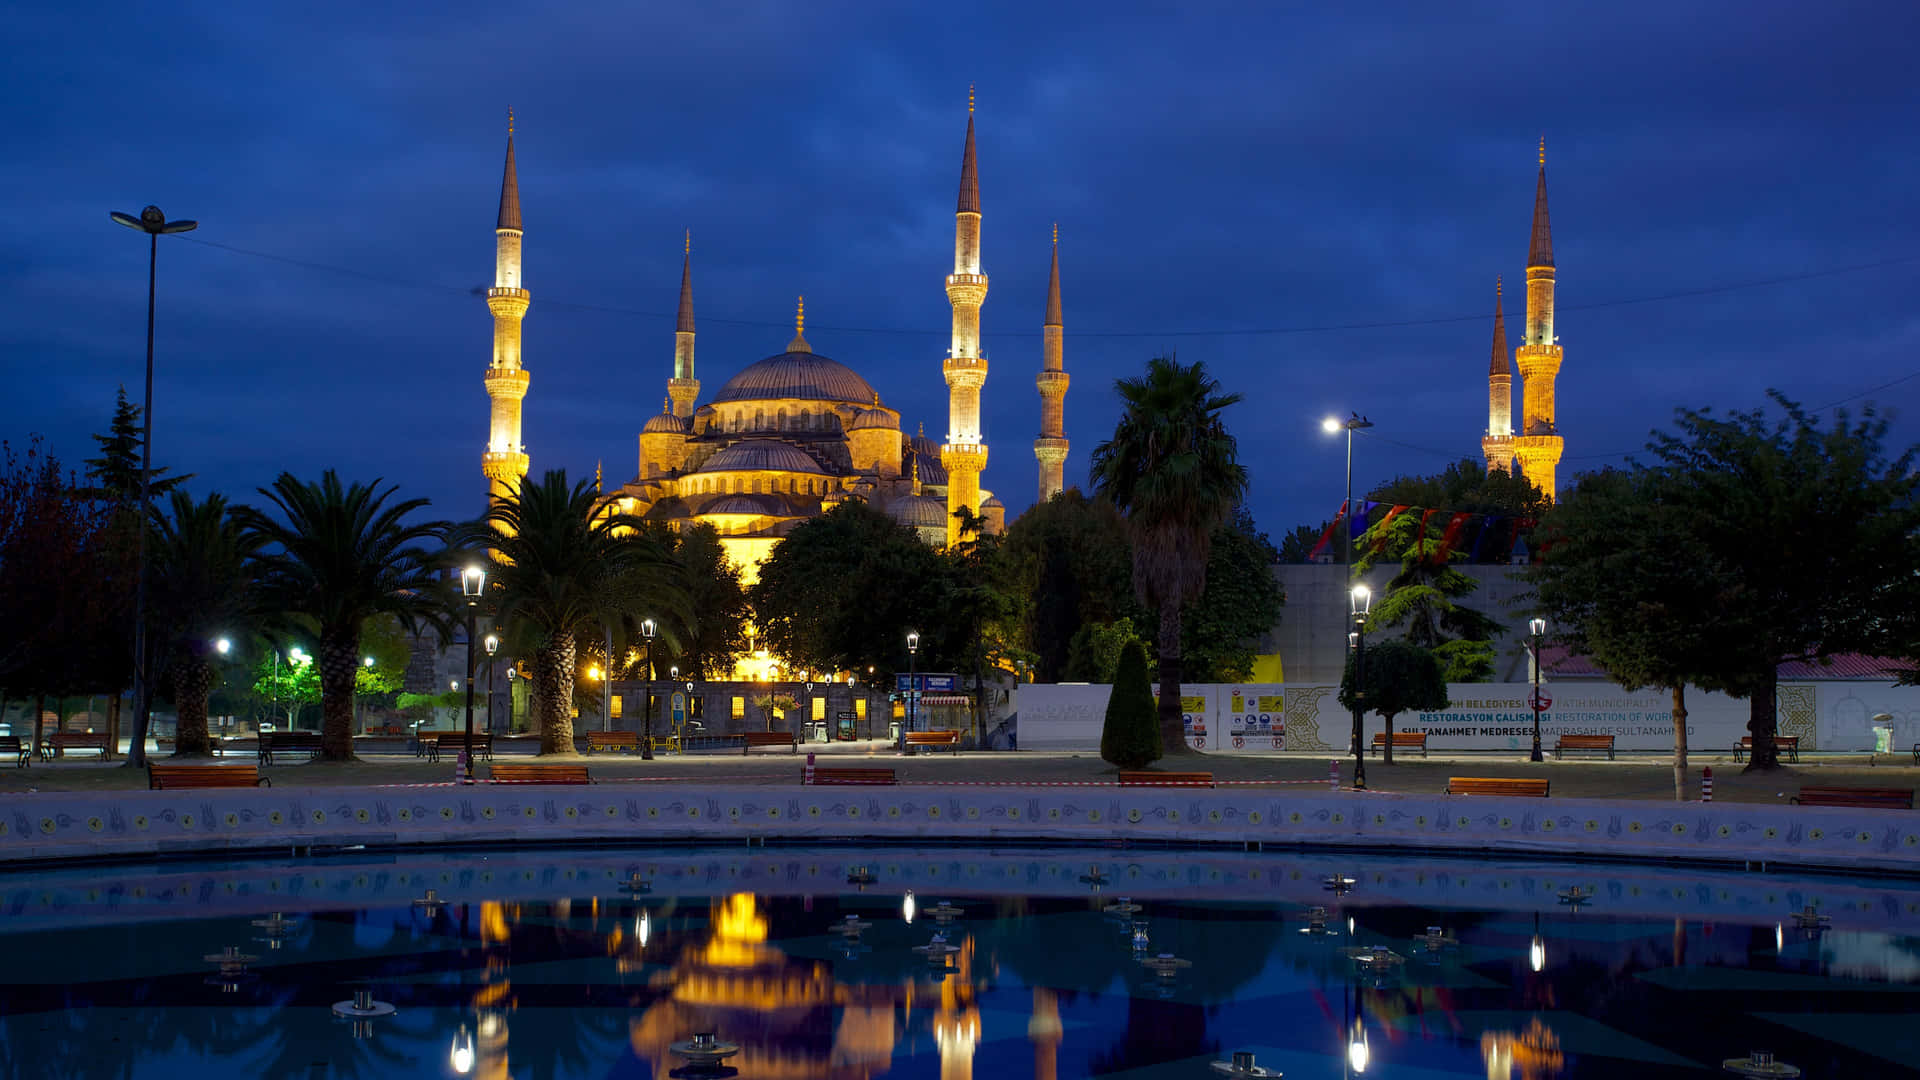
<point>473,581</point>
<point>913,683</point>
<point>1361,602</point>
<point>493,646</point>
<point>647,630</point>
<point>1537,627</point>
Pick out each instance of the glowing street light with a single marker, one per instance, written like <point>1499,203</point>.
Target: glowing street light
<point>223,646</point>
<point>1361,603</point>
<point>473,582</point>
<point>461,1056</point>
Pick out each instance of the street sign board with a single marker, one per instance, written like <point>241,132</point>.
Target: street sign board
<point>930,683</point>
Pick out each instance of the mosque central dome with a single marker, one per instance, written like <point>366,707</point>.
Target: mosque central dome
<point>806,376</point>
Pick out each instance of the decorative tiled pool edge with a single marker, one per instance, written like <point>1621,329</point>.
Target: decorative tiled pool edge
<point>134,824</point>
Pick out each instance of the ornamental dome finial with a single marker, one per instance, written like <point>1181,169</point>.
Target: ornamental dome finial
<point>799,342</point>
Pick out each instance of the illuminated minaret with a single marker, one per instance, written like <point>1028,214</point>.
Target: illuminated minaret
<point>1539,444</point>
<point>1497,444</point>
<point>965,451</point>
<point>1051,447</point>
<point>683,388</point>
<point>505,461</point>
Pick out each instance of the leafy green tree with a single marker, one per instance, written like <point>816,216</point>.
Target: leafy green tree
<point>287,680</point>
<point>1818,525</point>
<point>716,634</point>
<point>1130,738</point>
<point>976,613</point>
<point>1241,604</point>
<point>1426,598</point>
<point>1172,468</point>
<point>1466,486</point>
<point>1096,651</point>
<point>1298,545</point>
<point>1070,565</point>
<point>1400,675</point>
<point>1627,580</point>
<point>842,590</point>
<point>201,589</point>
<point>565,570</point>
<point>340,555</point>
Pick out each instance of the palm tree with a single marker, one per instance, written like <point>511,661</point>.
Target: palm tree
<point>563,570</point>
<point>343,556</point>
<point>201,580</point>
<point>1171,468</point>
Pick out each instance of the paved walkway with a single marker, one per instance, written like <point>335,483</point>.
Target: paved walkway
<point>1637,778</point>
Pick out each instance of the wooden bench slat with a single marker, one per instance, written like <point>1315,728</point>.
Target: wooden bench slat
<point>751,739</point>
<point>832,775</point>
<point>540,774</point>
<point>160,776</point>
<point>1788,743</point>
<point>1865,797</point>
<point>1415,739</point>
<point>947,738</point>
<point>11,744</point>
<point>455,741</point>
<point>1496,785</point>
<point>1142,778</point>
<point>612,740</point>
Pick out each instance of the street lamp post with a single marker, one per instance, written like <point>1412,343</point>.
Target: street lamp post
<point>913,684</point>
<point>360,721</point>
<point>512,673</point>
<point>493,646</point>
<point>1331,425</point>
<point>1538,627</point>
<point>472,581</point>
<point>154,223</point>
<point>647,630</point>
<point>1362,601</point>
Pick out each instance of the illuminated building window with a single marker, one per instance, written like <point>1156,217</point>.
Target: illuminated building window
<point>697,707</point>
<point>618,699</point>
<point>739,708</point>
<point>819,708</point>
<point>860,708</point>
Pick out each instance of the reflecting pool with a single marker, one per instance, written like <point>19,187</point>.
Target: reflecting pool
<point>950,963</point>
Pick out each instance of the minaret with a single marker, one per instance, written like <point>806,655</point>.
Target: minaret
<point>1051,447</point>
<point>683,388</point>
<point>505,461</point>
<point>1497,444</point>
<point>1539,444</point>
<point>965,451</point>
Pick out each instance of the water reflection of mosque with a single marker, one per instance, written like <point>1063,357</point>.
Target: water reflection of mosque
<point>789,1015</point>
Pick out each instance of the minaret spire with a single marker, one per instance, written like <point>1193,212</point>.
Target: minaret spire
<point>684,389</point>
<point>799,342</point>
<point>1497,444</point>
<point>1051,447</point>
<point>965,451</point>
<point>505,461</point>
<point>1539,445</point>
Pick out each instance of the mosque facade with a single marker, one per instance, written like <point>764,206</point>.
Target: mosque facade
<point>788,437</point>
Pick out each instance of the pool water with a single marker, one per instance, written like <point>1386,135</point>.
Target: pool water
<point>552,966</point>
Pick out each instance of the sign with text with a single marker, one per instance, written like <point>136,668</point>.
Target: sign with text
<point>929,683</point>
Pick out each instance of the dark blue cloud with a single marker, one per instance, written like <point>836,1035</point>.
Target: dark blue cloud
<point>1221,169</point>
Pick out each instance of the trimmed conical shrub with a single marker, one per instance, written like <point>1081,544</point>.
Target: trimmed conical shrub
<point>1131,738</point>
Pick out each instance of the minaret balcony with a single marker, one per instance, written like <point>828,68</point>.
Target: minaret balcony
<point>1052,383</point>
<point>507,382</point>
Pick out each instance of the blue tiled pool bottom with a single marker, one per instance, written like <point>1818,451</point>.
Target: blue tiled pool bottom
<point>1016,964</point>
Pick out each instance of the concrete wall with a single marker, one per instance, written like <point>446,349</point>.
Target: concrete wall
<point>1312,635</point>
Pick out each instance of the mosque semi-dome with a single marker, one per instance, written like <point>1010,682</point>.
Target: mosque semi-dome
<point>757,505</point>
<point>762,455</point>
<point>805,376</point>
<point>872,419</point>
<point>920,512</point>
<point>665,423</point>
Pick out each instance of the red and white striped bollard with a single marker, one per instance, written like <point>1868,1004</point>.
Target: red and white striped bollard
<point>809,777</point>
<point>1706,784</point>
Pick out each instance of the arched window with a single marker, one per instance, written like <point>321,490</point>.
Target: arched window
<point>780,420</point>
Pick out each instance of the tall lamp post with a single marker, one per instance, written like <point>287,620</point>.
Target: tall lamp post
<point>493,646</point>
<point>472,581</point>
<point>647,629</point>
<point>1538,627</point>
<point>512,673</point>
<point>361,721</point>
<point>913,683</point>
<point>155,224</point>
<point>1332,425</point>
<point>1362,601</point>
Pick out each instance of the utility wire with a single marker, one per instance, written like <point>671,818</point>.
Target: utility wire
<point>1313,328</point>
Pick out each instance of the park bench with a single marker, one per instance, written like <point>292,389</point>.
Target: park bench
<point>540,774</point>
<point>751,739</point>
<point>11,744</point>
<point>60,742</point>
<point>1877,798</point>
<point>1782,744</point>
<point>456,741</point>
<point>853,776</point>
<point>1411,740</point>
<point>1142,778</point>
<point>934,740</point>
<point>160,777</point>
<point>288,742</point>
<point>1584,742</point>
<point>1489,785</point>
<point>613,740</point>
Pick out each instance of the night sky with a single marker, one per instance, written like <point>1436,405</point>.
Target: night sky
<point>1214,170</point>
